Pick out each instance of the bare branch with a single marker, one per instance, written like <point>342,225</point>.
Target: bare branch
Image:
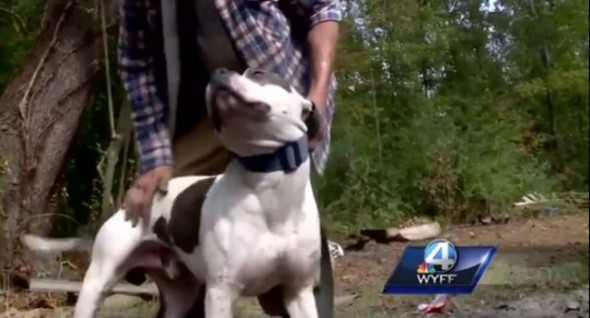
<point>105,36</point>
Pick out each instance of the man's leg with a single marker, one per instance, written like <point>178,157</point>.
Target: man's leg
<point>199,152</point>
<point>324,293</point>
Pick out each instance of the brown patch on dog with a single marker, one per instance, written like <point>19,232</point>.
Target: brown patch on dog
<point>161,230</point>
<point>185,217</point>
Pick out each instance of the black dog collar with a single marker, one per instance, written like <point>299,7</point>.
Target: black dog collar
<point>286,158</point>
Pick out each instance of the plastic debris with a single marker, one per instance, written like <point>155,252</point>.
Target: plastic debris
<point>530,198</point>
<point>437,306</point>
<point>550,211</point>
<point>336,251</point>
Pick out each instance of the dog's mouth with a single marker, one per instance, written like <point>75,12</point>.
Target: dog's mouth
<point>226,96</point>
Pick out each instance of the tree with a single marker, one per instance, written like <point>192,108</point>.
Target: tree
<point>39,115</point>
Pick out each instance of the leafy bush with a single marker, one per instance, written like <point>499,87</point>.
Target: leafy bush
<point>444,109</point>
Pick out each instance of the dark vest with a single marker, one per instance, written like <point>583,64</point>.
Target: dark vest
<point>204,45</point>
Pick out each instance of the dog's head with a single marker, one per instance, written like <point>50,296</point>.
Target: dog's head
<point>255,112</point>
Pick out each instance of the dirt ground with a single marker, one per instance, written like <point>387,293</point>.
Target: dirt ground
<point>540,270</point>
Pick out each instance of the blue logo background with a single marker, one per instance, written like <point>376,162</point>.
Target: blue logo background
<point>470,265</point>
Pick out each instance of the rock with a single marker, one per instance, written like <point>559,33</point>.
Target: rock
<point>407,234</point>
<point>486,220</point>
<point>572,306</point>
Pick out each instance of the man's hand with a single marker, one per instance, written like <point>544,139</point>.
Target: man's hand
<point>138,200</point>
<point>316,123</point>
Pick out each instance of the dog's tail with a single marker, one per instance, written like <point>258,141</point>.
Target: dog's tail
<point>40,244</point>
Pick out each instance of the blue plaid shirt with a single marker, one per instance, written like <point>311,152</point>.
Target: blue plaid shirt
<point>261,33</point>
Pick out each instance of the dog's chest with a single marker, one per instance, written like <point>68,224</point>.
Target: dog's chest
<point>278,244</point>
<point>255,239</point>
<point>272,258</point>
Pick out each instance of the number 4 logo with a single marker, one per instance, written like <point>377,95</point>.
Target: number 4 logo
<point>441,253</point>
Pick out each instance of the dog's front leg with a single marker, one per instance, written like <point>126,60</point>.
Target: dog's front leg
<point>219,299</point>
<point>301,304</point>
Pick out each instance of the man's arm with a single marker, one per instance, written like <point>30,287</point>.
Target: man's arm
<point>136,67</point>
<point>323,43</point>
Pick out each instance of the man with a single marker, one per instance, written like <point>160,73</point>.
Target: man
<point>167,51</point>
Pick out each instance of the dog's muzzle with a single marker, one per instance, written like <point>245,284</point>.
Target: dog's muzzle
<point>218,84</point>
<point>220,79</point>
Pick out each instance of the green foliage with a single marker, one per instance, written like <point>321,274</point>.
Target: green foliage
<point>19,21</point>
<point>447,110</point>
<point>460,125</point>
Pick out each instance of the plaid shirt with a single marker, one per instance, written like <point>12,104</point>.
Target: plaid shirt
<point>261,33</point>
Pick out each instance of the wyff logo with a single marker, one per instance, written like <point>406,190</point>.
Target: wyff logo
<point>440,257</point>
<point>439,267</point>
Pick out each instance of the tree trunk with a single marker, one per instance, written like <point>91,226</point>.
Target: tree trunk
<point>39,114</point>
<point>554,144</point>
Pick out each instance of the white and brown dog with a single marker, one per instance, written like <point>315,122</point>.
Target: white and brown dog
<point>241,233</point>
